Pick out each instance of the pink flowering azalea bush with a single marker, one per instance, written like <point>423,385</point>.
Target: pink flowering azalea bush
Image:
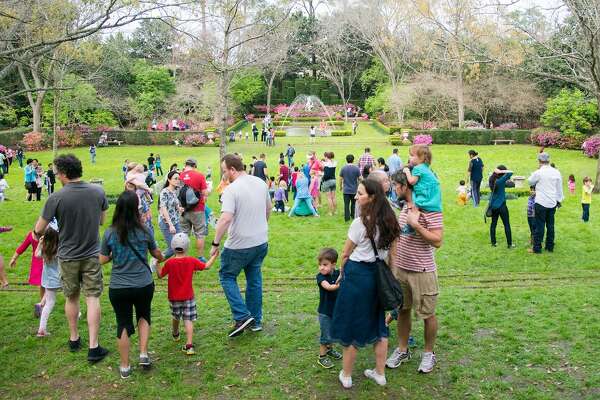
<point>591,147</point>
<point>196,139</point>
<point>507,126</point>
<point>423,139</point>
<point>69,139</point>
<point>365,117</point>
<point>34,141</point>
<point>545,138</point>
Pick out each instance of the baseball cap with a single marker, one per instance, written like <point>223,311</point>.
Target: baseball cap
<point>191,162</point>
<point>544,157</point>
<point>180,242</point>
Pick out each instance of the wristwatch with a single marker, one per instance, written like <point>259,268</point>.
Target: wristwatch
<point>215,244</point>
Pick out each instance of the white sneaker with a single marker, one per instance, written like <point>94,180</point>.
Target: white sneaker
<point>397,358</point>
<point>427,363</point>
<point>346,381</point>
<point>379,379</point>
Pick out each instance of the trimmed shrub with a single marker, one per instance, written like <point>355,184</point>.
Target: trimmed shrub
<point>341,133</point>
<point>591,147</point>
<point>13,137</point>
<point>35,141</point>
<point>423,139</point>
<point>237,126</point>
<point>474,136</point>
<point>380,127</point>
<point>280,133</point>
<point>397,140</point>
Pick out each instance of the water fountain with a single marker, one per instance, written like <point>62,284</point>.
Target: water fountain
<point>309,106</point>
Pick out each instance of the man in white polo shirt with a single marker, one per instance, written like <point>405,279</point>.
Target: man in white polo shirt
<point>548,195</point>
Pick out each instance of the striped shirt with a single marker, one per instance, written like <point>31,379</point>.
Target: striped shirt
<point>413,252</point>
<point>365,159</point>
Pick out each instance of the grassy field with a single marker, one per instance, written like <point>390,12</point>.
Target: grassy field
<point>512,325</point>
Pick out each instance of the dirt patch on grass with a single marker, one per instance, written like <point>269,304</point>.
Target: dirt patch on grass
<point>484,333</point>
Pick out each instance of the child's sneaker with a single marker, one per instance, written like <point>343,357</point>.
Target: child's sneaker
<point>333,353</point>
<point>325,362</point>
<point>125,372</point>
<point>188,349</point>
<point>145,361</point>
<point>176,336</point>
<point>346,381</point>
<point>379,379</point>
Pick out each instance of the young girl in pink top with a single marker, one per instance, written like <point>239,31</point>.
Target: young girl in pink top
<point>36,267</point>
<point>315,186</point>
<point>571,184</point>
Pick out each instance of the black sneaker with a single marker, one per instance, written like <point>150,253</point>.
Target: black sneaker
<point>256,327</point>
<point>239,327</point>
<point>75,345</point>
<point>97,354</point>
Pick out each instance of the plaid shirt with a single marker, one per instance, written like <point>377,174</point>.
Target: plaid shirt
<point>365,159</point>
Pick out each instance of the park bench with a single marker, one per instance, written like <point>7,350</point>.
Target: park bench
<point>508,141</point>
<point>114,142</point>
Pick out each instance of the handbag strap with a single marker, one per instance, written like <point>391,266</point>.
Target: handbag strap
<point>138,255</point>
<point>374,248</point>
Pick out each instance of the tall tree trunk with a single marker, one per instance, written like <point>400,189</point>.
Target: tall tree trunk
<point>269,92</point>
<point>399,111</point>
<point>36,111</point>
<point>460,95</point>
<point>223,88</point>
<point>55,105</point>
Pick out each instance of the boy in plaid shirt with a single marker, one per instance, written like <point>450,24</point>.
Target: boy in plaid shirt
<point>180,269</point>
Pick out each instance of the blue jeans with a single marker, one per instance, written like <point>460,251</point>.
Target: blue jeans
<point>308,202</point>
<point>164,228</point>
<point>325,325</point>
<point>544,218</point>
<point>233,261</point>
<point>290,160</point>
<point>476,192</point>
<point>93,156</point>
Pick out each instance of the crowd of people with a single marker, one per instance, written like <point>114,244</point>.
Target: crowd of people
<point>395,210</point>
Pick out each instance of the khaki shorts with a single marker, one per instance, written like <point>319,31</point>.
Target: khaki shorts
<point>83,275</point>
<point>194,220</point>
<point>420,290</point>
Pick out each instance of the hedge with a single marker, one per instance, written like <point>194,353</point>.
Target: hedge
<point>516,192</point>
<point>474,136</point>
<point>237,126</point>
<point>13,137</point>
<point>344,132</point>
<point>385,129</point>
<point>467,136</point>
<point>305,123</point>
<point>280,133</point>
<point>306,119</point>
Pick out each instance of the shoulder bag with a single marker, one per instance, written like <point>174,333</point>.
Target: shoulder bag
<point>139,256</point>
<point>389,291</point>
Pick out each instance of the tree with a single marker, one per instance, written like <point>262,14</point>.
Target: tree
<point>153,41</point>
<point>151,87</point>
<point>388,29</point>
<point>246,87</point>
<point>571,113</point>
<point>234,43</point>
<point>339,58</point>
<point>575,44</point>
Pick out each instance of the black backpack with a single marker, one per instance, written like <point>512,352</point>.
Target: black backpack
<point>188,197</point>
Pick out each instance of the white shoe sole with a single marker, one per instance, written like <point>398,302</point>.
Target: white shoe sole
<point>242,327</point>
<point>345,385</point>
<point>372,377</point>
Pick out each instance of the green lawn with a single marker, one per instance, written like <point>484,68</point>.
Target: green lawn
<point>512,325</point>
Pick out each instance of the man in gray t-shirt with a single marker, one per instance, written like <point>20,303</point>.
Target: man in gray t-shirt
<point>80,209</point>
<point>244,214</point>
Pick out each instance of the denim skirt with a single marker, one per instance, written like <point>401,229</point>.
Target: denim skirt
<point>358,320</point>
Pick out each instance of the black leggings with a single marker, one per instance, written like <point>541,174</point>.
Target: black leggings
<point>123,302</point>
<point>502,213</point>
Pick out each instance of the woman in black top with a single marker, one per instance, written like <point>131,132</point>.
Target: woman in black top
<point>328,184</point>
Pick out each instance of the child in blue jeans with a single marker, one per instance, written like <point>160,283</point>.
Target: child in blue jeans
<point>427,194</point>
<point>531,213</point>
<point>328,286</point>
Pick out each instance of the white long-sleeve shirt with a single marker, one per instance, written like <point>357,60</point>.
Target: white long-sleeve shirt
<point>548,186</point>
